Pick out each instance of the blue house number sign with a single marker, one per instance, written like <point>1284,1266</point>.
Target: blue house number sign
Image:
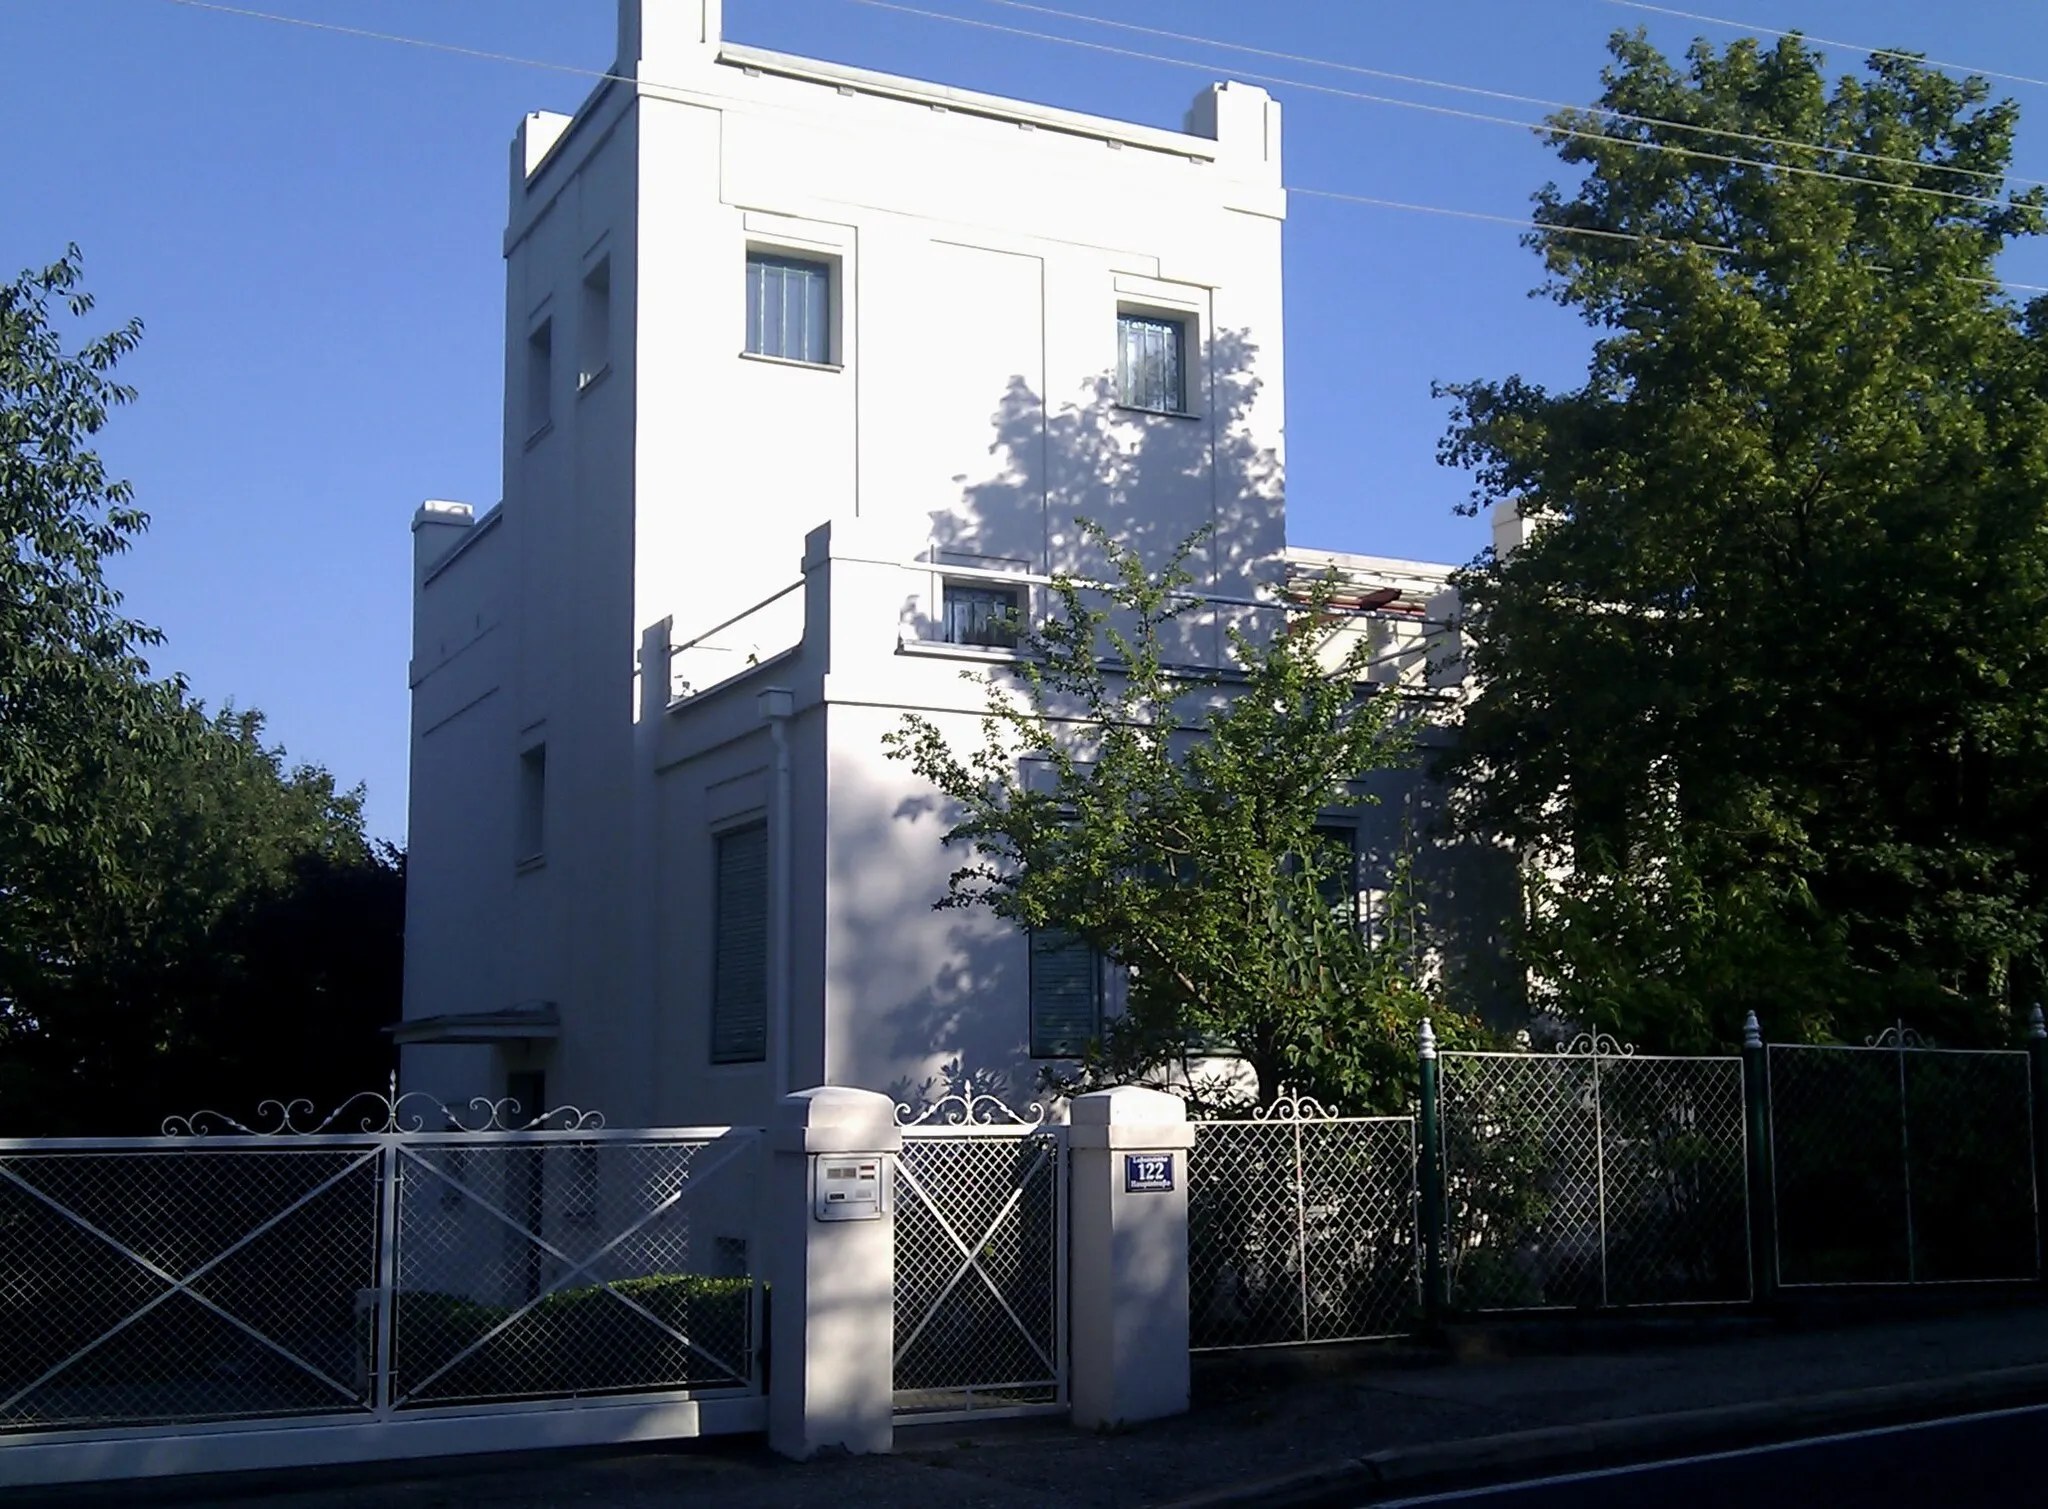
<point>1148,1173</point>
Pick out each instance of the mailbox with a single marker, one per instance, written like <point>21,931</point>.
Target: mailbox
<point>847,1187</point>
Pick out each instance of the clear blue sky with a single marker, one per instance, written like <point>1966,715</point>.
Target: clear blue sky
<point>309,226</point>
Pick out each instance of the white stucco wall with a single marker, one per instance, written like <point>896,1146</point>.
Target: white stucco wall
<point>981,250</point>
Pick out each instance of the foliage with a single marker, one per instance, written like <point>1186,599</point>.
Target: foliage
<point>1174,830</point>
<point>75,701</point>
<point>588,1339</point>
<point>1763,698</point>
<point>182,917</point>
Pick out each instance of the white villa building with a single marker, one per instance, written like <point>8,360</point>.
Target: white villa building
<point>809,371</point>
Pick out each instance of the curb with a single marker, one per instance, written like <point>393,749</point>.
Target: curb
<point>1753,1422</point>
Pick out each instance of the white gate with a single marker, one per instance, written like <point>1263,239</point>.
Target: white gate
<point>1301,1228</point>
<point>981,1263</point>
<point>222,1297</point>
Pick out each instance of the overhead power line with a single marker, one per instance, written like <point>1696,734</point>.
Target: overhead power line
<point>600,74</point>
<point>1313,61</point>
<point>1451,111</point>
<point>1874,52</point>
<point>390,36</point>
<point>1607,235</point>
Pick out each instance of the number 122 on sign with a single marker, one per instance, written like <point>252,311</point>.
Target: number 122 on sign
<point>1148,1173</point>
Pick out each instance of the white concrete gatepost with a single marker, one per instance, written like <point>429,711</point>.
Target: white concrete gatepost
<point>1129,1259</point>
<point>831,1267</point>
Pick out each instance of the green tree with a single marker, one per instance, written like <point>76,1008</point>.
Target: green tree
<point>1175,830</point>
<point>76,703</point>
<point>253,949</point>
<point>1764,698</point>
<point>182,917</point>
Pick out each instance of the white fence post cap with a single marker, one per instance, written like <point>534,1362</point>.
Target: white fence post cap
<point>837,1119</point>
<point>1128,1105</point>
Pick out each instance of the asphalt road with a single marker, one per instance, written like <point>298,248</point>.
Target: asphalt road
<point>1961,1463</point>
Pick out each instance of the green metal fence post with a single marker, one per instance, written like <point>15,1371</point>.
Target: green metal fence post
<point>1435,1298</point>
<point>1756,1098</point>
<point>2037,1064</point>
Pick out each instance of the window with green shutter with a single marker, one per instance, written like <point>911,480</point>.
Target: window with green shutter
<point>1339,885</point>
<point>739,969</point>
<point>1066,994</point>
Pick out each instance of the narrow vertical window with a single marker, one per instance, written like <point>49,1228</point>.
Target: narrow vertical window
<point>540,377</point>
<point>1339,884</point>
<point>531,833</point>
<point>594,325</point>
<point>739,965</point>
<point>1151,363</point>
<point>789,308</point>
<point>1066,994</point>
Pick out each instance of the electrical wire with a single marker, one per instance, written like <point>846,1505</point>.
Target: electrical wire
<point>1873,52</point>
<point>1575,230</point>
<point>604,75</point>
<point>1608,112</point>
<point>391,36</point>
<point>1445,110</point>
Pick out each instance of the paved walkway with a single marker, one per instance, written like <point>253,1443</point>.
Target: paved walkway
<point>1258,1416</point>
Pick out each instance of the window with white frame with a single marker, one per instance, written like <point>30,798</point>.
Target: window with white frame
<point>1066,994</point>
<point>979,613</point>
<point>789,308</point>
<point>1151,362</point>
<point>739,954</point>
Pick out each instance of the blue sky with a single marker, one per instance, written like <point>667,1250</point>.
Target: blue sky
<point>308,224</point>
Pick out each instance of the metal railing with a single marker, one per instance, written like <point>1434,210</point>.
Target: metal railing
<point>228,1274</point>
<point>981,1261</point>
<point>1592,1176</point>
<point>758,633</point>
<point>1898,1162</point>
<point>1301,1228</point>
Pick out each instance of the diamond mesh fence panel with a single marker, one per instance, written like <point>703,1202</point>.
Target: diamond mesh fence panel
<point>174,1285</point>
<point>1970,1167</point>
<point>552,1265</point>
<point>1584,1179</point>
<point>1675,1167</point>
<point>978,1270</point>
<point>1898,1166</point>
<point>1301,1231</point>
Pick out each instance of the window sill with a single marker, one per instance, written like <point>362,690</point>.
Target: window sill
<point>586,384</point>
<point>945,649</point>
<point>540,434</point>
<point>790,361</point>
<point>529,864</point>
<point>1132,408</point>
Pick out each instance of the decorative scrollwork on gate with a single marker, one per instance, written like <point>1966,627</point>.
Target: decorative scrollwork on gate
<point>1293,1108</point>
<point>1597,1045</point>
<point>1898,1036</point>
<point>967,1107</point>
<point>387,1113</point>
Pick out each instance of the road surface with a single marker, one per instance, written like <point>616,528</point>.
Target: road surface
<point>1967,1462</point>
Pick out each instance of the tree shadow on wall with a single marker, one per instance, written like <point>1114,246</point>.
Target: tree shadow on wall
<point>1151,479</point>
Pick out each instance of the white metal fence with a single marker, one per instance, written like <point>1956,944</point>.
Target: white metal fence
<point>1902,1163</point>
<point>324,1276</point>
<point>1301,1228</point>
<point>1594,1176</point>
<point>981,1262</point>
